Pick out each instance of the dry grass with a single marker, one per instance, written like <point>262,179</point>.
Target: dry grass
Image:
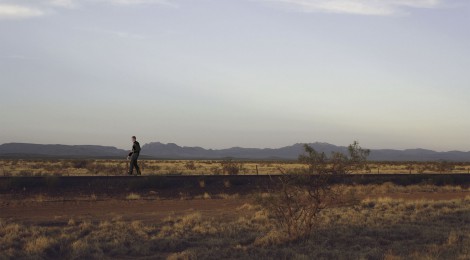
<point>380,228</point>
<point>205,196</point>
<point>180,167</point>
<point>228,196</point>
<point>40,198</point>
<point>133,196</point>
<point>373,228</point>
<point>202,183</point>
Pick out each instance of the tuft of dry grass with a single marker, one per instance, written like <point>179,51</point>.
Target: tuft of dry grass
<point>40,198</point>
<point>184,255</point>
<point>133,196</point>
<point>205,196</point>
<point>248,206</point>
<point>202,183</point>
<point>38,245</point>
<point>71,222</point>
<point>272,238</point>
<point>228,196</point>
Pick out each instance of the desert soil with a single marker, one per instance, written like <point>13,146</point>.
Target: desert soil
<point>52,211</point>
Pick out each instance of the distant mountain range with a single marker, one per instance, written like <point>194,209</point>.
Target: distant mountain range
<point>25,150</point>
<point>173,151</point>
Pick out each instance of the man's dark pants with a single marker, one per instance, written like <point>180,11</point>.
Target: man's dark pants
<point>134,158</point>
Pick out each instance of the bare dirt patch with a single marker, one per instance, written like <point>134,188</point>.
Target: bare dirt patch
<point>57,211</point>
<point>147,211</point>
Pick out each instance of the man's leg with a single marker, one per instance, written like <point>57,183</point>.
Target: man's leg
<point>131,166</point>
<point>137,168</point>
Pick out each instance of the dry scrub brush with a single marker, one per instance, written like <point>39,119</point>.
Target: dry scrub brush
<point>296,200</point>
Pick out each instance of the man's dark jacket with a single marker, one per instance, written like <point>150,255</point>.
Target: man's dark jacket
<point>135,148</point>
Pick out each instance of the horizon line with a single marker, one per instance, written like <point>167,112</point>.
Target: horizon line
<point>183,146</point>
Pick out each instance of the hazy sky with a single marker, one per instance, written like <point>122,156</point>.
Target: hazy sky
<point>222,73</point>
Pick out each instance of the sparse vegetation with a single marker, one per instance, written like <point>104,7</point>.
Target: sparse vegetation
<point>133,196</point>
<point>376,228</point>
<point>230,167</point>
<point>296,200</point>
<point>444,166</point>
<point>64,167</point>
<point>374,221</point>
<point>190,165</point>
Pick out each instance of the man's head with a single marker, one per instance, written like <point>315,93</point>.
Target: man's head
<point>134,138</point>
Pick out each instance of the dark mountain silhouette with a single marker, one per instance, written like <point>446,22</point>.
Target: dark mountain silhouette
<point>23,150</point>
<point>292,152</point>
<point>173,151</point>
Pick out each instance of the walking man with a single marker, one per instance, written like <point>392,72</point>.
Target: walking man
<point>134,155</point>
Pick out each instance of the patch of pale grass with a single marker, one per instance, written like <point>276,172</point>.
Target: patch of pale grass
<point>80,246</point>
<point>248,206</point>
<point>185,255</point>
<point>184,196</point>
<point>389,187</point>
<point>228,196</point>
<point>38,245</point>
<point>205,196</point>
<point>202,183</point>
<point>190,219</point>
<point>390,256</point>
<point>133,196</point>
<point>265,195</point>
<point>454,238</point>
<point>261,216</point>
<point>85,226</point>
<point>381,202</point>
<point>188,225</point>
<point>71,222</point>
<point>40,198</point>
<point>272,238</point>
<point>177,227</point>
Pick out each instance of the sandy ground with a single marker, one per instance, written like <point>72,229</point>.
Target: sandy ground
<point>148,211</point>
<point>59,212</point>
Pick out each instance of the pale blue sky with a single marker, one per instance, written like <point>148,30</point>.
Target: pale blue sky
<point>252,73</point>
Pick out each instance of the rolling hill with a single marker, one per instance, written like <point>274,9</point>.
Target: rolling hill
<point>174,151</point>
